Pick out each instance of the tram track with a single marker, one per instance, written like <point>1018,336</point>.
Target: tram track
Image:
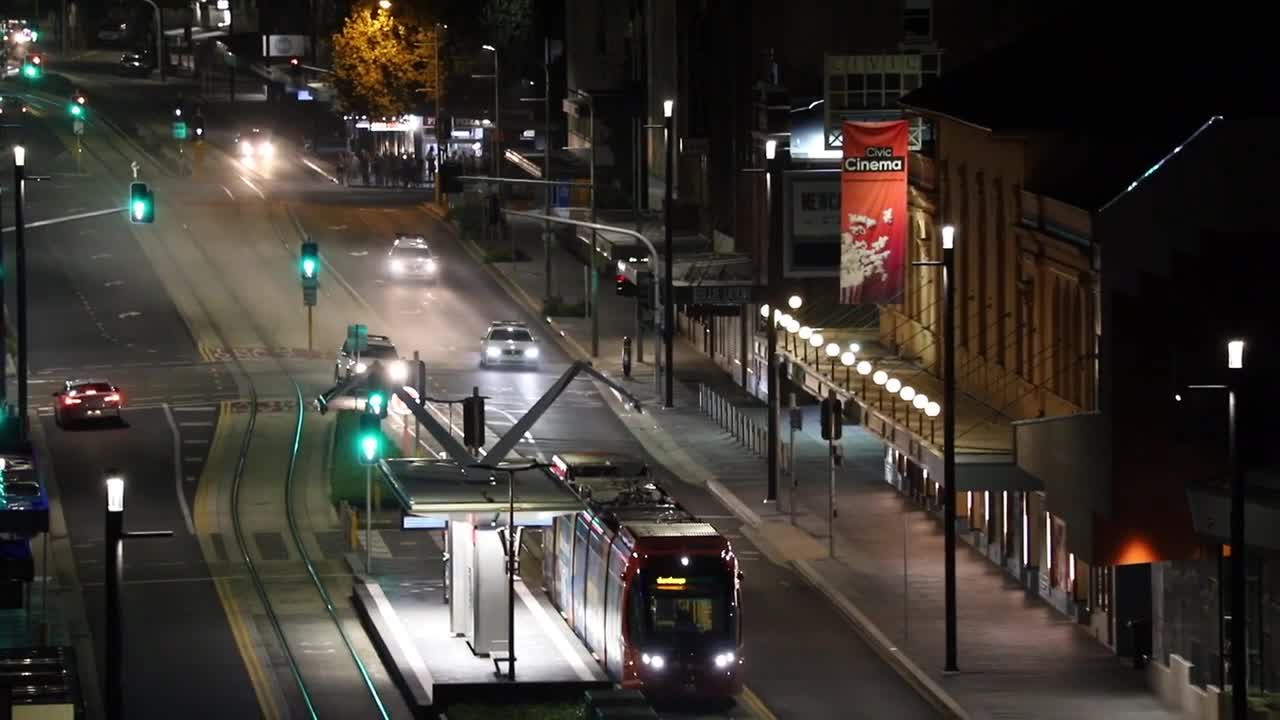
<point>306,662</point>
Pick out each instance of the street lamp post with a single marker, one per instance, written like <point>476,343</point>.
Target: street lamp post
<point>772,178</point>
<point>497,114</point>
<point>160,38</point>
<point>1239,620</point>
<point>115,535</point>
<point>594,290</point>
<point>949,441</point>
<point>20,264</point>
<point>948,436</point>
<point>668,303</point>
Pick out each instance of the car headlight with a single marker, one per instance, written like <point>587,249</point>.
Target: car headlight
<point>397,266</point>
<point>431,266</point>
<point>361,367</point>
<point>492,352</point>
<point>724,660</point>
<point>266,149</point>
<point>531,353</point>
<point>246,148</point>
<point>657,662</point>
<point>399,371</point>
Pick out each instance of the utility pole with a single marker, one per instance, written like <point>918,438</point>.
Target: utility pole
<point>231,37</point>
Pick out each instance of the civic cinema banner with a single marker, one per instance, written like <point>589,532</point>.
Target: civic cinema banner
<point>873,212</point>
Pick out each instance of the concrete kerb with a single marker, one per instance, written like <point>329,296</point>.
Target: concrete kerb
<point>660,444</point>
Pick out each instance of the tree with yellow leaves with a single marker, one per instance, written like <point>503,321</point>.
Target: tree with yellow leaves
<point>381,63</point>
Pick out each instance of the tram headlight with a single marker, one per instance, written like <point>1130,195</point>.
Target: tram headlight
<point>657,662</point>
<point>724,660</point>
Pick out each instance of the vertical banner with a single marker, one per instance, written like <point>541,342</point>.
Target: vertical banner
<point>873,212</point>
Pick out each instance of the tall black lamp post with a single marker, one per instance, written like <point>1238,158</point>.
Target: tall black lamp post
<point>1239,621</point>
<point>948,437</point>
<point>115,536</point>
<point>20,266</point>
<point>669,299</point>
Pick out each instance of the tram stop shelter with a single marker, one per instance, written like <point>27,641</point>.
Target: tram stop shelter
<point>441,622</point>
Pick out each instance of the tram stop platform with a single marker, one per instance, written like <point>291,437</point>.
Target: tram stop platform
<point>441,627</point>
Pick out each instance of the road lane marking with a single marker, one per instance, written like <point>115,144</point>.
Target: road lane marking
<point>227,190</point>
<point>113,283</point>
<point>313,166</point>
<point>177,471</point>
<point>253,187</point>
<point>756,705</point>
<point>191,423</point>
<point>206,498</point>
<point>248,653</point>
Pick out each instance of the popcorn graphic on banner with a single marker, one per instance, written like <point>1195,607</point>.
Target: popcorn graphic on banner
<point>887,216</point>
<point>860,224</point>
<point>862,260</point>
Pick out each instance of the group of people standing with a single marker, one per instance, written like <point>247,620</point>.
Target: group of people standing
<point>386,169</point>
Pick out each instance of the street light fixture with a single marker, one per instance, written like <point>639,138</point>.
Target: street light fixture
<point>855,347</point>
<point>921,402</point>
<point>668,300</point>
<point>948,264</point>
<point>816,340</point>
<point>907,393</point>
<point>384,4</point>
<point>764,311</point>
<point>806,332</point>
<point>1239,610</point>
<point>833,352</point>
<point>794,302</point>
<point>847,359</point>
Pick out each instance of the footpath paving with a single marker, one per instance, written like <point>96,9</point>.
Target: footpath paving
<point>1018,658</point>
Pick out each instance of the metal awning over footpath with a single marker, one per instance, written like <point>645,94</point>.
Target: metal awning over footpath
<point>442,490</point>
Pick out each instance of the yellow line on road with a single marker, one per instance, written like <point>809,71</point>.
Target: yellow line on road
<point>257,675</point>
<point>206,522</point>
<point>755,704</point>
<point>206,509</point>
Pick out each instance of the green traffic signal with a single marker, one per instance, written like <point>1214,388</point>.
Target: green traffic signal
<point>310,261</point>
<point>76,110</point>
<point>142,207</point>
<point>370,439</point>
<point>31,71</point>
<point>376,402</point>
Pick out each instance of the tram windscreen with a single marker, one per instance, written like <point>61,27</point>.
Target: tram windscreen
<point>683,606</point>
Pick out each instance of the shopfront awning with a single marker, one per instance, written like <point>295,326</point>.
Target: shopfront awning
<point>443,490</point>
<point>993,473</point>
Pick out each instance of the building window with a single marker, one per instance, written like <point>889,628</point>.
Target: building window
<point>1102,588</point>
<point>917,20</point>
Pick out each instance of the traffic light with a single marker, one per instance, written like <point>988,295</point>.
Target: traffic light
<point>473,421</point>
<point>832,418</point>
<point>377,397</point>
<point>369,439</point>
<point>295,62</point>
<point>310,263</point>
<point>625,287</point>
<point>142,205</point>
<point>33,68</point>
<point>76,110</point>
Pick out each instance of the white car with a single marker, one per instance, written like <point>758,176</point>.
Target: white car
<point>509,343</point>
<point>410,258</point>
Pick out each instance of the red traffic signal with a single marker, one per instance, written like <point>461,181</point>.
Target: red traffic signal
<point>295,62</point>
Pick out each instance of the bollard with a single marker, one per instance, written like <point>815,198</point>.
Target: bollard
<point>626,357</point>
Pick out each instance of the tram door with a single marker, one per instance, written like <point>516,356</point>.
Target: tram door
<point>581,533</point>
<point>563,594</point>
<point>596,560</point>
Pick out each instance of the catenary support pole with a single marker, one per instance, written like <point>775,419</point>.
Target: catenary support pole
<point>949,452</point>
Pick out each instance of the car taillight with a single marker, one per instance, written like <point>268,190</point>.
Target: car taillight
<point>68,400</point>
<point>113,397</point>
